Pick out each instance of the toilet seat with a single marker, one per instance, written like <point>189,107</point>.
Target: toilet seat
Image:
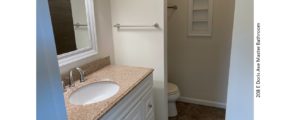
<point>172,89</point>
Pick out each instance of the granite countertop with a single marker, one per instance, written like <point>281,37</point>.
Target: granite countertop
<point>125,76</point>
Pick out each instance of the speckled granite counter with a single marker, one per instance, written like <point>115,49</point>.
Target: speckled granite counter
<point>126,77</point>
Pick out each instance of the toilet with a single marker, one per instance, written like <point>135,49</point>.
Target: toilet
<point>173,95</point>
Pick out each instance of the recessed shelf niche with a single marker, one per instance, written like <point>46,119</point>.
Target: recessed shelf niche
<point>200,17</point>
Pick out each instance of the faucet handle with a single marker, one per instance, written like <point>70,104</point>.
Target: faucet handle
<point>63,86</point>
<point>71,79</point>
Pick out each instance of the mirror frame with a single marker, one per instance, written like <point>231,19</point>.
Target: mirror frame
<point>79,54</point>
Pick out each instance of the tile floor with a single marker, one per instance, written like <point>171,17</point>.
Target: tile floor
<point>188,111</point>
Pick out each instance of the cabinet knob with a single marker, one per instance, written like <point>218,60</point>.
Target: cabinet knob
<point>150,105</point>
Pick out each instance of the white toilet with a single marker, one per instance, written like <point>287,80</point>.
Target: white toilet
<point>173,95</point>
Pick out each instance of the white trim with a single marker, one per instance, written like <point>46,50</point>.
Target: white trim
<point>76,56</point>
<point>202,102</point>
<point>83,53</point>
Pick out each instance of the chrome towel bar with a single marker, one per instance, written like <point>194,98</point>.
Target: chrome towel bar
<point>173,7</point>
<point>77,25</point>
<point>156,25</point>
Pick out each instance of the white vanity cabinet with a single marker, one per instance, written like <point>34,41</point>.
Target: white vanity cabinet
<point>136,105</point>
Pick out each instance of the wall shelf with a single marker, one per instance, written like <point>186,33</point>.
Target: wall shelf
<point>200,21</point>
<point>200,17</point>
<point>200,9</point>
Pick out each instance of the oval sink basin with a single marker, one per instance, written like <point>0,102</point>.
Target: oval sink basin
<point>94,92</point>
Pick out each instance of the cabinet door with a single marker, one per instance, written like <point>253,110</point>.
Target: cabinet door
<point>137,113</point>
<point>137,105</point>
<point>148,105</point>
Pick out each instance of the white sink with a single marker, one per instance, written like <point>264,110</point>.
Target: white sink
<point>94,92</point>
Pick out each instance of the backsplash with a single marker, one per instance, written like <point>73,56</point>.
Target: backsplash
<point>88,68</point>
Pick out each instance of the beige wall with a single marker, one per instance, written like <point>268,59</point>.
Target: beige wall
<point>104,34</point>
<point>144,47</point>
<point>199,65</point>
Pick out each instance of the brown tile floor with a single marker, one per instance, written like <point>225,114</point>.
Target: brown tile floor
<point>188,111</point>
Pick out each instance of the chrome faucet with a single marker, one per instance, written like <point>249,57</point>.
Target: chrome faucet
<point>82,76</point>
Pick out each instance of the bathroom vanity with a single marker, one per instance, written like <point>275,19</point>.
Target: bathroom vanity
<point>132,101</point>
<point>137,105</point>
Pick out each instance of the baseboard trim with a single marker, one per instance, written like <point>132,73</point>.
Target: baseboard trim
<point>202,102</point>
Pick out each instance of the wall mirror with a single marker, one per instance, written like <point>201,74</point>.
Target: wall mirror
<point>74,29</point>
